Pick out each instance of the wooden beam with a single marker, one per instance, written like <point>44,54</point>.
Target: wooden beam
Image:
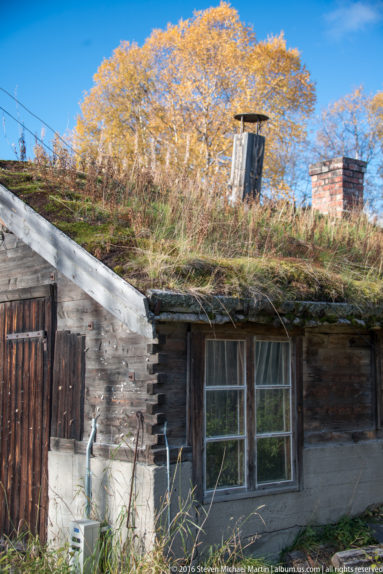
<point>101,283</point>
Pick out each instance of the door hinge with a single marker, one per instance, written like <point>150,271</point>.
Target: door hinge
<point>28,335</point>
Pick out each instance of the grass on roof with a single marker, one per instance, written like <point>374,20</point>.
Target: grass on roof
<point>183,235</point>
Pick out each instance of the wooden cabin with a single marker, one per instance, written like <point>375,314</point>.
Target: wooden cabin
<point>270,414</point>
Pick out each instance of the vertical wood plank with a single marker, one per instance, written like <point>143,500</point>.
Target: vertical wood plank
<point>4,419</point>
<point>47,354</point>
<point>37,447</point>
<point>24,411</point>
<point>12,350</point>
<point>71,384</point>
<point>79,378</point>
<point>31,453</point>
<point>68,385</point>
<point>54,397</point>
<point>17,388</point>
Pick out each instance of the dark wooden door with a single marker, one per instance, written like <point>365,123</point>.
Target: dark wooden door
<point>25,340</point>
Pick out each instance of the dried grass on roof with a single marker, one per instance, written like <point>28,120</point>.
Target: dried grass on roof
<point>183,235</point>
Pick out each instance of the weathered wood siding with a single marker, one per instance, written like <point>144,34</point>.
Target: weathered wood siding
<point>116,375</point>
<point>68,382</point>
<point>68,257</point>
<point>126,373</point>
<point>20,267</point>
<point>171,389</point>
<point>339,394</point>
<point>25,351</point>
<point>119,371</point>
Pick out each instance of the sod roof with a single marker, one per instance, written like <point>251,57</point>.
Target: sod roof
<point>177,239</point>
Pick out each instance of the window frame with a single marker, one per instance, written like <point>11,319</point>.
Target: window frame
<point>197,409</point>
<point>222,438</point>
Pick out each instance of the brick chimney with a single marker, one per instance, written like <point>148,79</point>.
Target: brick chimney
<point>337,185</point>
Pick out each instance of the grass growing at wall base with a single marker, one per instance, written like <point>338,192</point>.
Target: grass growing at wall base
<point>317,544</point>
<point>25,553</point>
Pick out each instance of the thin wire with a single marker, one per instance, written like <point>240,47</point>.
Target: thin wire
<point>28,130</point>
<point>41,141</point>
<point>40,120</point>
<point>50,127</point>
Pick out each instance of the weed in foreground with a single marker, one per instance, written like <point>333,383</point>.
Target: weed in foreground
<point>26,554</point>
<point>320,543</point>
<point>118,555</point>
<point>346,533</point>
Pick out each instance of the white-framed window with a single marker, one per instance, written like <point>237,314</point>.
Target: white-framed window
<point>225,414</point>
<point>273,412</point>
<point>248,404</point>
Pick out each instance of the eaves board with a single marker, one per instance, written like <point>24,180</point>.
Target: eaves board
<point>101,283</point>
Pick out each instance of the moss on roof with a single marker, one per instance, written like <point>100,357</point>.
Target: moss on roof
<point>182,237</point>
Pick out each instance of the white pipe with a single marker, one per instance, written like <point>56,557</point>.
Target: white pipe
<point>88,474</point>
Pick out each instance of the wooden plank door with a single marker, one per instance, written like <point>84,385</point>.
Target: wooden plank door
<point>25,341</point>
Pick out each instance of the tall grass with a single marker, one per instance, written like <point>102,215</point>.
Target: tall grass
<point>26,554</point>
<point>160,230</point>
<point>176,548</point>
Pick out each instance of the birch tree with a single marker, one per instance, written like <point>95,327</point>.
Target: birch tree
<point>175,97</point>
<point>353,127</point>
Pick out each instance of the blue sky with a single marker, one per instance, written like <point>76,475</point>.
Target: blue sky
<point>50,50</point>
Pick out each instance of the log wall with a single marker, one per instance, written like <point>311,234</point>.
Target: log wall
<point>172,386</point>
<point>340,386</point>
<point>116,368</point>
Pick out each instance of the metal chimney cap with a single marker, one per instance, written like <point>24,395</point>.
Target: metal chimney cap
<point>251,118</point>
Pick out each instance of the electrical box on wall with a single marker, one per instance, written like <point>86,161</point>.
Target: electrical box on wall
<point>83,539</point>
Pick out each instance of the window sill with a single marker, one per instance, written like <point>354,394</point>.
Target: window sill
<point>229,495</point>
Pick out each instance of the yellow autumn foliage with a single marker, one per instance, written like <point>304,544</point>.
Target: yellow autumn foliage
<point>376,110</point>
<point>171,101</point>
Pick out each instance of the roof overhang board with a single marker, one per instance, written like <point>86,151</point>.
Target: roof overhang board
<point>73,261</point>
<point>170,306</point>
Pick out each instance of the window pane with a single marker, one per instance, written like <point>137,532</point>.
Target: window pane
<point>273,410</point>
<point>224,413</point>
<point>224,362</point>
<point>225,464</point>
<point>273,459</point>
<point>272,363</point>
